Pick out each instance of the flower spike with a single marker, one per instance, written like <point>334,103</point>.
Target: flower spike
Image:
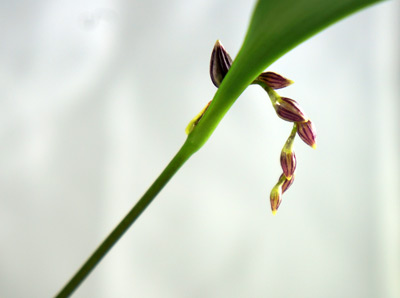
<point>288,110</point>
<point>219,64</point>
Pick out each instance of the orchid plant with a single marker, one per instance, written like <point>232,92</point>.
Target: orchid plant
<point>275,28</point>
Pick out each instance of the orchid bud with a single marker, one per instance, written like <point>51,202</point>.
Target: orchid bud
<point>307,133</point>
<point>289,110</point>
<point>288,157</point>
<point>288,163</point>
<point>287,183</point>
<point>276,194</point>
<point>219,64</point>
<point>276,197</point>
<point>274,80</point>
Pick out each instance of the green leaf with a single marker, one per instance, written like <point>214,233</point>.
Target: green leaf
<point>276,27</point>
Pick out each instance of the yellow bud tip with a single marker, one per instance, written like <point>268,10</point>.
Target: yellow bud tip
<point>288,177</point>
<point>274,212</point>
<point>290,82</point>
<point>314,146</point>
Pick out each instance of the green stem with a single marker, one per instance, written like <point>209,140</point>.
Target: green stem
<point>179,159</point>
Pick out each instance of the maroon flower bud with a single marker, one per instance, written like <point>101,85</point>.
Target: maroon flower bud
<point>288,163</point>
<point>274,80</point>
<point>289,110</point>
<point>307,133</point>
<point>288,157</point>
<point>287,183</point>
<point>276,193</point>
<point>219,64</point>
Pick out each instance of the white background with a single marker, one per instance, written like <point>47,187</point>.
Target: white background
<point>94,100</point>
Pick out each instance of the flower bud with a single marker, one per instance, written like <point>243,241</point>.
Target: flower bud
<point>288,157</point>
<point>276,194</point>
<point>287,183</point>
<point>274,80</point>
<point>307,133</point>
<point>276,197</point>
<point>289,110</point>
<point>219,64</point>
<point>288,163</point>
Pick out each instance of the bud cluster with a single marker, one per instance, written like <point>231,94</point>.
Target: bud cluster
<point>286,108</point>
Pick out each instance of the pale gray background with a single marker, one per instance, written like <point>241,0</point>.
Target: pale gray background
<point>94,100</point>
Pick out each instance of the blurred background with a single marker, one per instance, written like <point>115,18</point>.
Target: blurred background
<point>94,100</point>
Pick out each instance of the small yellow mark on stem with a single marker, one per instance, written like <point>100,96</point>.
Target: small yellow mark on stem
<point>192,124</point>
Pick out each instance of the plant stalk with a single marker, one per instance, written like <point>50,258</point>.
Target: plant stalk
<point>179,159</point>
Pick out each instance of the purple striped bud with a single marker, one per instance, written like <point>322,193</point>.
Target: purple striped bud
<point>288,157</point>
<point>289,110</point>
<point>307,133</point>
<point>276,197</point>
<point>276,194</point>
<point>288,163</point>
<point>274,80</point>
<point>287,183</point>
<point>219,64</point>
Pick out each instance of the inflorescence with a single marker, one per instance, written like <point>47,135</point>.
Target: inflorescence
<point>286,108</point>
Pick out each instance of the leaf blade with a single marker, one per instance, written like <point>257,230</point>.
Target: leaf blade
<point>275,28</point>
